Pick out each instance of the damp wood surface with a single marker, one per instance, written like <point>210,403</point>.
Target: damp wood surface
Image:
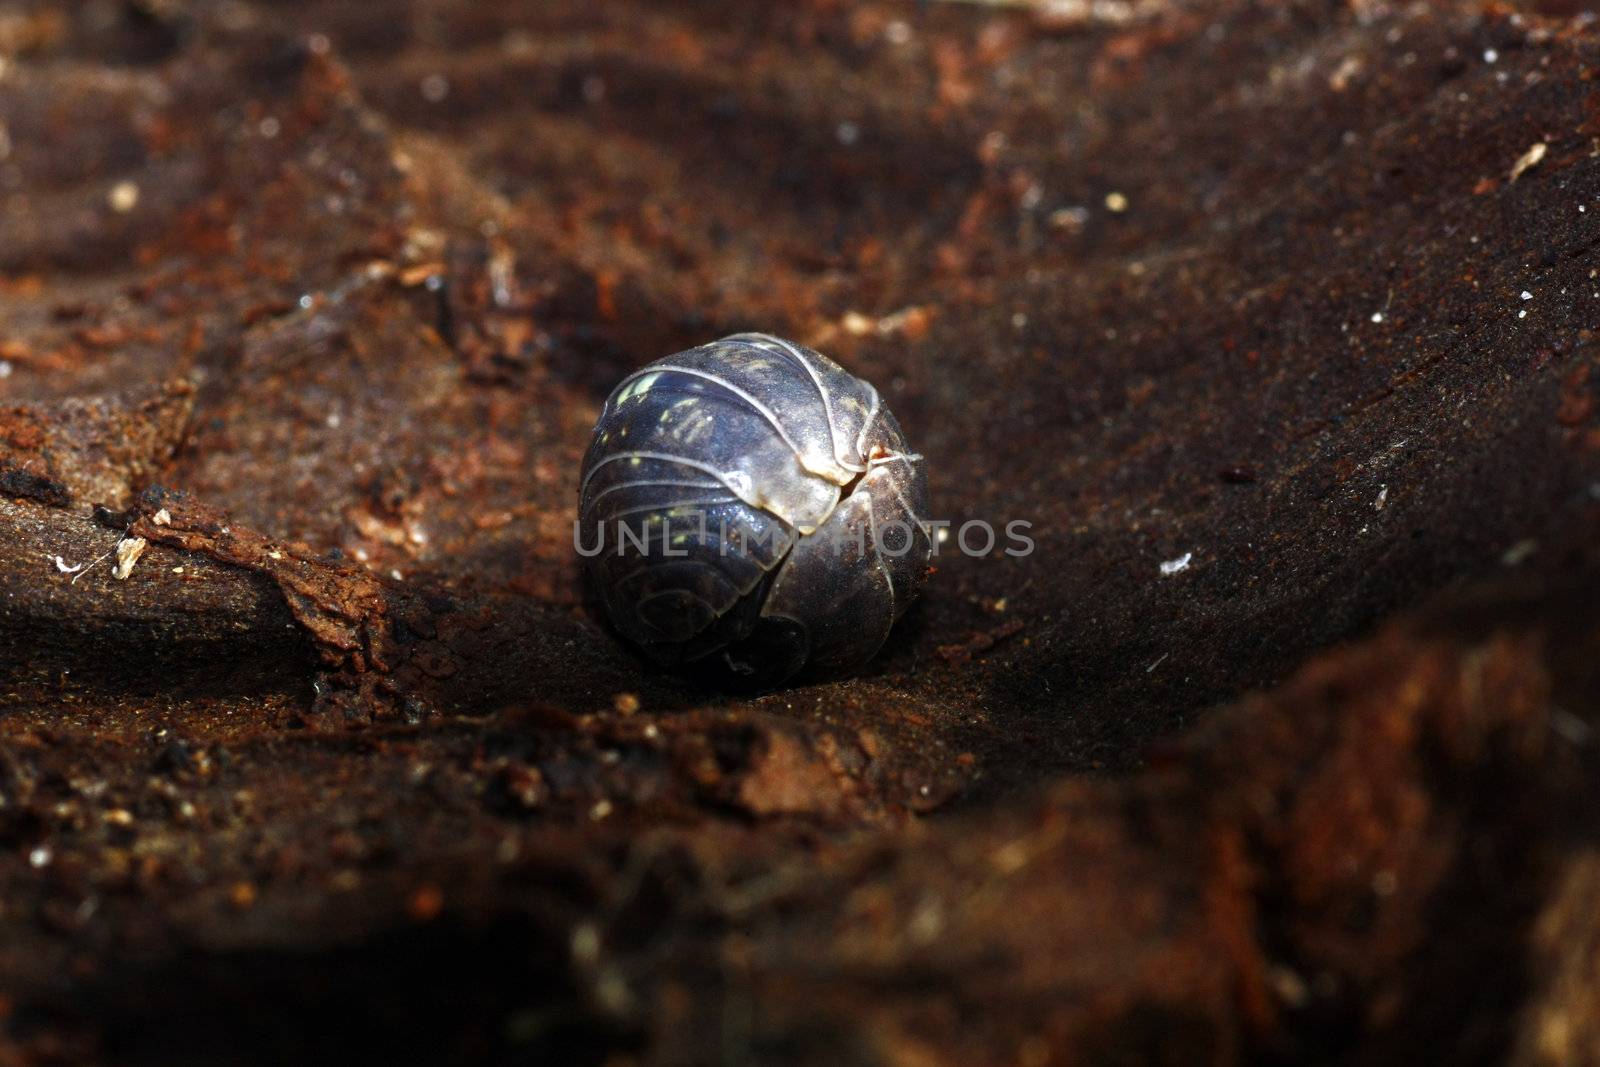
<point>1275,322</point>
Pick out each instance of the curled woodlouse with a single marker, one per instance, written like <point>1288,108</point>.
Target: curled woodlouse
<point>751,504</point>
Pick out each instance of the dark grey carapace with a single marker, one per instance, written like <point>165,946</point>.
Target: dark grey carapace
<point>781,513</point>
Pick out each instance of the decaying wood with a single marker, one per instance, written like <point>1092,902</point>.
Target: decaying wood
<point>1280,746</point>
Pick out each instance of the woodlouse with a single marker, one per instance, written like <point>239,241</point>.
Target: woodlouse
<point>750,503</point>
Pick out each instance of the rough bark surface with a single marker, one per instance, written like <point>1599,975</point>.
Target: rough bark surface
<point>1276,322</point>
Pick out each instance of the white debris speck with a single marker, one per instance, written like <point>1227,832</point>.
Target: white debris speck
<point>162,518</point>
<point>1116,203</point>
<point>39,857</point>
<point>1019,320</point>
<point>1519,553</point>
<point>87,567</point>
<point>1522,314</point>
<point>898,32</point>
<point>1383,498</point>
<point>1069,218</point>
<point>129,549</point>
<point>1159,661</point>
<point>68,568</point>
<point>601,809</point>
<point>1526,295</point>
<point>910,318</point>
<point>858,325</point>
<point>397,576</point>
<point>1528,159</point>
<point>1377,316</point>
<point>1339,80</point>
<point>1176,566</point>
<point>5,368</point>
<point>123,198</point>
<point>1490,55</point>
<point>848,133</point>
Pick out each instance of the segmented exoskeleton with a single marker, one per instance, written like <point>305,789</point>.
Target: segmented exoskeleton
<point>750,501</point>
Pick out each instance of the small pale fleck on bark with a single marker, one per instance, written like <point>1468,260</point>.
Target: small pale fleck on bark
<point>1530,158</point>
<point>128,552</point>
<point>124,197</point>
